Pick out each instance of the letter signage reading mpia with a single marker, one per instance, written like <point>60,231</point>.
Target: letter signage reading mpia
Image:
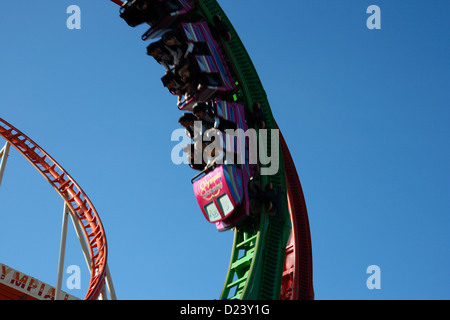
<point>13,284</point>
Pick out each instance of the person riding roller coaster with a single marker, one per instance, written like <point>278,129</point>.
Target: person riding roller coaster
<point>205,111</point>
<point>202,135</point>
<point>161,54</point>
<point>193,79</point>
<point>136,12</point>
<point>173,50</point>
<point>184,81</point>
<point>181,48</point>
<point>174,84</point>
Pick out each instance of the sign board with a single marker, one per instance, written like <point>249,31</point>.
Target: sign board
<point>15,285</point>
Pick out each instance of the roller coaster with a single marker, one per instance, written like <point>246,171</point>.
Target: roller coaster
<point>207,66</point>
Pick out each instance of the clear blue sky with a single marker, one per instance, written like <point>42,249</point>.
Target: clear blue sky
<point>365,114</point>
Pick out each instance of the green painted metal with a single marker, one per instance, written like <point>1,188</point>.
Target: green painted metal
<point>257,258</point>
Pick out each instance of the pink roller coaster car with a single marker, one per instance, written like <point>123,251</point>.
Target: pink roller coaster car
<point>207,64</point>
<point>222,192</point>
<point>222,196</point>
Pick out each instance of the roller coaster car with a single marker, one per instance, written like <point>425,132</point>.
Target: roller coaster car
<point>175,10</point>
<point>212,65</point>
<point>159,14</point>
<point>222,196</point>
<point>222,193</point>
<point>231,115</point>
<point>230,111</point>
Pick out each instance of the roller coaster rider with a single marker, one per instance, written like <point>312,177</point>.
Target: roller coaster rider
<point>204,111</point>
<point>187,121</point>
<point>195,128</point>
<point>196,149</point>
<point>173,83</point>
<point>184,79</point>
<point>161,54</point>
<point>193,79</point>
<point>180,48</point>
<point>136,12</point>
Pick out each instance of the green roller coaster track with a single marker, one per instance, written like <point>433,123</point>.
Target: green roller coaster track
<point>257,259</point>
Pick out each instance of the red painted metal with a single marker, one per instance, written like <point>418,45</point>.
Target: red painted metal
<point>119,2</point>
<point>73,195</point>
<point>297,282</point>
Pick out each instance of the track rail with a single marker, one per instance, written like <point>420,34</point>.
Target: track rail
<point>73,195</point>
<point>297,281</point>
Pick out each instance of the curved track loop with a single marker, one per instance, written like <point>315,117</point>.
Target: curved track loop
<point>77,201</point>
<point>297,281</point>
<point>260,262</point>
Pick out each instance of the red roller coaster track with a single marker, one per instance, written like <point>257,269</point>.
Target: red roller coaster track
<point>297,279</point>
<point>77,201</point>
